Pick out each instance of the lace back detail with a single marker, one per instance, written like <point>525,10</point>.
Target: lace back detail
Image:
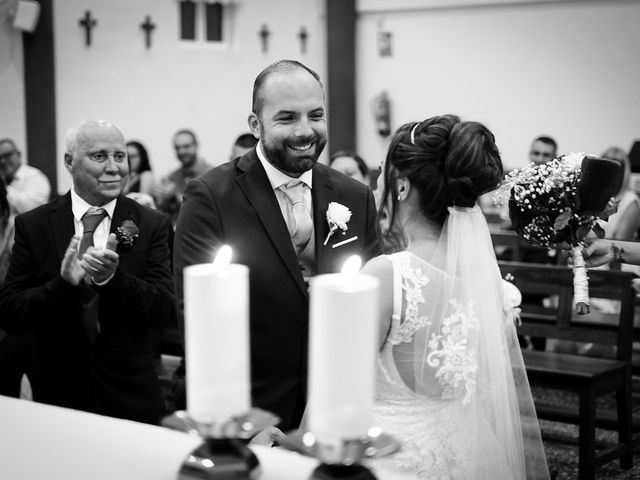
<point>452,355</point>
<point>449,365</point>
<point>413,283</point>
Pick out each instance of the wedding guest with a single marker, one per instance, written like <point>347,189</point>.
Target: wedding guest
<point>27,187</point>
<point>351,164</point>
<point>168,192</point>
<point>15,350</point>
<point>247,204</point>
<point>140,174</point>
<point>6,232</point>
<point>90,277</point>
<point>242,145</point>
<point>624,224</point>
<point>543,149</point>
<point>451,383</point>
<point>600,252</point>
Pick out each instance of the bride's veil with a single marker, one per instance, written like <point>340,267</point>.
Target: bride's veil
<point>467,353</point>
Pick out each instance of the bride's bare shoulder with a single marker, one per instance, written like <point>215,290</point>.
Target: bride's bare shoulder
<point>380,266</point>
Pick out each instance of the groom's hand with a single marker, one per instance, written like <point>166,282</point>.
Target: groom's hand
<point>100,264</point>
<point>70,269</point>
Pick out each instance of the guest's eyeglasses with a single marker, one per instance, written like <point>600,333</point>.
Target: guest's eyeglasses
<point>8,155</point>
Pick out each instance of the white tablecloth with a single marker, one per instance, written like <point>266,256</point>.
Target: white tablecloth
<point>40,442</point>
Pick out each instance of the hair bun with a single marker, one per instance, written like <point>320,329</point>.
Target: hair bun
<point>472,165</point>
<point>461,191</point>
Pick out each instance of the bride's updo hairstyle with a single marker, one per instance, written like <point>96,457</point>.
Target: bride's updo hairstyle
<point>449,162</point>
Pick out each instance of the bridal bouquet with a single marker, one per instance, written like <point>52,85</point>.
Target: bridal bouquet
<point>558,203</point>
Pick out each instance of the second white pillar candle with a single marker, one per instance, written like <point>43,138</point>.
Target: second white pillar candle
<point>342,355</point>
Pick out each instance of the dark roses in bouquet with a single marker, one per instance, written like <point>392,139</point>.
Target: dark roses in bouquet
<point>558,203</point>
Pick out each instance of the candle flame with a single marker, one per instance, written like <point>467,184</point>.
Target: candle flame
<point>223,257</point>
<point>351,266</point>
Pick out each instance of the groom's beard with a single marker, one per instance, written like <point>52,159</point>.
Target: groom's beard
<point>280,152</point>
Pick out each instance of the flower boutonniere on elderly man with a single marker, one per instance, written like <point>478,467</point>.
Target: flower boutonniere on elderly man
<point>127,233</point>
<point>337,217</point>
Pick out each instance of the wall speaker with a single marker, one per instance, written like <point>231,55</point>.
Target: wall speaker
<point>27,13</point>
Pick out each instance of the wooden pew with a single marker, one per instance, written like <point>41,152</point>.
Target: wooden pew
<point>512,247</point>
<point>589,377</point>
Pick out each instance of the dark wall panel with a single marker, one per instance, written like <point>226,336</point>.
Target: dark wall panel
<point>39,91</point>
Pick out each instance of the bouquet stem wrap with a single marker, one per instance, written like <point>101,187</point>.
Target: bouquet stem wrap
<point>580,282</point>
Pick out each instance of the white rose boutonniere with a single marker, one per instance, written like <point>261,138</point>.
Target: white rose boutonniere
<point>337,217</point>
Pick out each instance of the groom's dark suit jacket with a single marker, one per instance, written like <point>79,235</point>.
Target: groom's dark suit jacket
<point>235,204</point>
<point>116,375</point>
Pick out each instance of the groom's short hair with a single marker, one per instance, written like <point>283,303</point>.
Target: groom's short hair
<point>279,66</point>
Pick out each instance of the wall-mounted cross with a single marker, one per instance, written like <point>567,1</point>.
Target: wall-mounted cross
<point>303,35</point>
<point>148,26</point>
<point>88,23</point>
<point>264,36</point>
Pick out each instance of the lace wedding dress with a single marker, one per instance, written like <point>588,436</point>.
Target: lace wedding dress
<point>451,384</point>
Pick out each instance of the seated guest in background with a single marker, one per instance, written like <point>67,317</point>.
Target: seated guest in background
<point>451,383</point>
<point>601,251</point>
<point>543,150</point>
<point>242,145</point>
<point>624,224</point>
<point>6,232</point>
<point>27,187</point>
<point>90,276</point>
<point>15,350</point>
<point>140,174</point>
<point>168,192</point>
<point>351,164</point>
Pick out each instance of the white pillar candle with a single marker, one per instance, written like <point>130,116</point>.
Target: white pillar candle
<point>342,355</point>
<point>216,306</point>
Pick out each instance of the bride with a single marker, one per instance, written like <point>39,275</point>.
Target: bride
<point>451,384</point>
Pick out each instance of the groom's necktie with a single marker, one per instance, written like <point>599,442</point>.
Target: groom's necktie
<point>298,218</point>
<point>90,299</point>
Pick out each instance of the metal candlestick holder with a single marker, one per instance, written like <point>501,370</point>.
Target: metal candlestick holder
<point>342,460</point>
<point>224,454</point>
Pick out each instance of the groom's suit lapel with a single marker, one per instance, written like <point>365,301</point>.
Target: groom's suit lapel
<point>254,183</point>
<point>322,193</point>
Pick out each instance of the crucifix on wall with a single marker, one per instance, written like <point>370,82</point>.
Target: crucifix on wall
<point>303,35</point>
<point>88,23</point>
<point>148,26</point>
<point>264,37</point>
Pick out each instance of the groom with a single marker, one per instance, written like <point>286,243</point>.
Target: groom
<point>270,205</point>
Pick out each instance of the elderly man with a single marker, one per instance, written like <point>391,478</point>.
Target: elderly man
<point>90,275</point>
<point>270,205</point>
<point>168,192</point>
<point>27,187</point>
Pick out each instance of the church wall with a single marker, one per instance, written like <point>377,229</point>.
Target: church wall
<point>565,68</point>
<point>152,93</point>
